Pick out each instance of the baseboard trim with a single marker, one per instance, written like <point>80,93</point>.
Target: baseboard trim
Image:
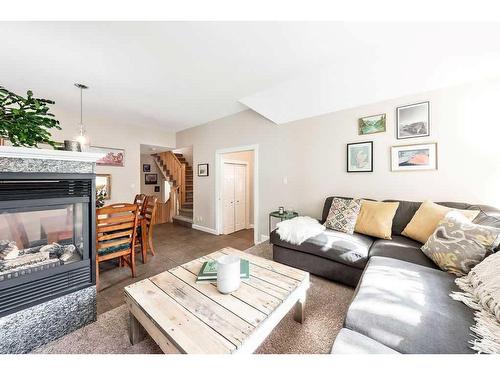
<point>250,226</point>
<point>204,229</point>
<point>263,238</point>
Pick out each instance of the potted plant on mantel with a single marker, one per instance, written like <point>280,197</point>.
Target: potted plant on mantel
<point>25,121</point>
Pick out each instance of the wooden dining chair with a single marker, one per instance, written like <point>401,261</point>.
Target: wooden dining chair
<point>148,214</point>
<point>116,234</point>
<point>139,200</point>
<point>145,228</point>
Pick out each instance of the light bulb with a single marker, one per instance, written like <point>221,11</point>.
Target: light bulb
<point>84,142</point>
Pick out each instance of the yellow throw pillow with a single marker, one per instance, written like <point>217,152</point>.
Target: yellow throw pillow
<point>375,218</point>
<point>427,218</point>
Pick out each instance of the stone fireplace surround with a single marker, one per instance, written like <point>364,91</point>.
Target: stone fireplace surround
<point>27,329</point>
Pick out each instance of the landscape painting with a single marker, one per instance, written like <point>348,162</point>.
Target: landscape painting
<point>360,157</point>
<point>371,124</point>
<point>413,121</point>
<point>112,156</point>
<point>414,157</point>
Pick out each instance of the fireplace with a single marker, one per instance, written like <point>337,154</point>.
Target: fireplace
<point>47,245</point>
<point>45,237</point>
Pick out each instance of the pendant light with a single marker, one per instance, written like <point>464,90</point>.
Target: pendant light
<point>82,133</point>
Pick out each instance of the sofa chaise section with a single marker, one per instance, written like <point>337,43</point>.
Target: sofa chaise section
<point>352,342</point>
<point>407,308</point>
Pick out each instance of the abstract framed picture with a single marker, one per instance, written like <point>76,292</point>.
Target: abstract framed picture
<point>360,157</point>
<point>103,183</point>
<point>413,121</point>
<point>202,170</point>
<point>146,167</point>
<point>113,156</point>
<point>371,124</point>
<point>420,157</point>
<point>151,179</point>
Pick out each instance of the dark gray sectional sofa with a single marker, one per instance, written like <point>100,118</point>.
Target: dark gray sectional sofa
<point>401,303</point>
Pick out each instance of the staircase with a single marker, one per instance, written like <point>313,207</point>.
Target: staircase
<point>180,175</point>
<point>185,216</point>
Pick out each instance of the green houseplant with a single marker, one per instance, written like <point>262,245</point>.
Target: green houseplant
<point>25,121</point>
<point>100,196</point>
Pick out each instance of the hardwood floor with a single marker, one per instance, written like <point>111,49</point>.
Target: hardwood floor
<point>174,245</point>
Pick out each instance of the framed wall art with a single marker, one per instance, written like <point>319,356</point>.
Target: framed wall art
<point>203,170</point>
<point>360,157</point>
<point>419,157</point>
<point>371,124</point>
<point>151,178</point>
<point>413,121</point>
<point>113,156</point>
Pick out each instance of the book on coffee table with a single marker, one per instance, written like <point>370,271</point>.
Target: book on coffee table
<point>208,271</point>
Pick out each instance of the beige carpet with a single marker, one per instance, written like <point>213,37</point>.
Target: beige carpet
<point>326,306</point>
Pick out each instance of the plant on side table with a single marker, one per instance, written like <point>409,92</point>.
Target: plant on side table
<point>25,121</point>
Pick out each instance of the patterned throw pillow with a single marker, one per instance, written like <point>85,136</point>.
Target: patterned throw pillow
<point>457,244</point>
<point>343,215</point>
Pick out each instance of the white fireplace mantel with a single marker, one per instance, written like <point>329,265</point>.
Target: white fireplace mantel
<point>46,154</point>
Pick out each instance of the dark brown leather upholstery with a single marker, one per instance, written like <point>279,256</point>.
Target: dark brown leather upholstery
<point>351,252</point>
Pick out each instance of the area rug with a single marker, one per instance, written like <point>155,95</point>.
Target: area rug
<point>326,307</point>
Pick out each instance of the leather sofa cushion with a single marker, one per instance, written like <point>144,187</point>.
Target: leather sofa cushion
<point>407,307</point>
<point>351,342</point>
<point>404,213</point>
<point>349,249</point>
<point>402,248</point>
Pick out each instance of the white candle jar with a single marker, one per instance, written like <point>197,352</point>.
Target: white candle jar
<point>228,273</point>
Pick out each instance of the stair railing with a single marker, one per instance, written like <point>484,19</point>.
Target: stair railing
<point>177,174</point>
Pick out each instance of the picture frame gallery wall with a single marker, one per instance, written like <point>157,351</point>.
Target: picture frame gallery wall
<point>412,121</point>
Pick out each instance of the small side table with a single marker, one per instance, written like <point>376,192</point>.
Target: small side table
<point>284,216</point>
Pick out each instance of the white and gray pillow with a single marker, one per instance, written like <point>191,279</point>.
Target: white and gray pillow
<point>457,244</point>
<point>343,214</point>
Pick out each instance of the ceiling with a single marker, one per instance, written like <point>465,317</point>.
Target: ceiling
<point>153,149</point>
<point>175,75</point>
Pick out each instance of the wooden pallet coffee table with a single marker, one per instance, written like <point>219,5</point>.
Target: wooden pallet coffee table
<point>185,317</point>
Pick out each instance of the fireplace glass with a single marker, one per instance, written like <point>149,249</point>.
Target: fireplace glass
<point>35,239</point>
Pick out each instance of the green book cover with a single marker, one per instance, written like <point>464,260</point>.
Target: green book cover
<point>208,271</point>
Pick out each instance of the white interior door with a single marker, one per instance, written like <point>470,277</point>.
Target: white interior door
<point>228,198</point>
<point>240,195</point>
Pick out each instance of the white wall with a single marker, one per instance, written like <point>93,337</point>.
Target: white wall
<point>125,181</point>
<point>246,157</point>
<point>150,189</point>
<point>187,152</point>
<point>311,154</point>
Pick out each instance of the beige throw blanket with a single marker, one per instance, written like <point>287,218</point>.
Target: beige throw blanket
<point>481,292</point>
